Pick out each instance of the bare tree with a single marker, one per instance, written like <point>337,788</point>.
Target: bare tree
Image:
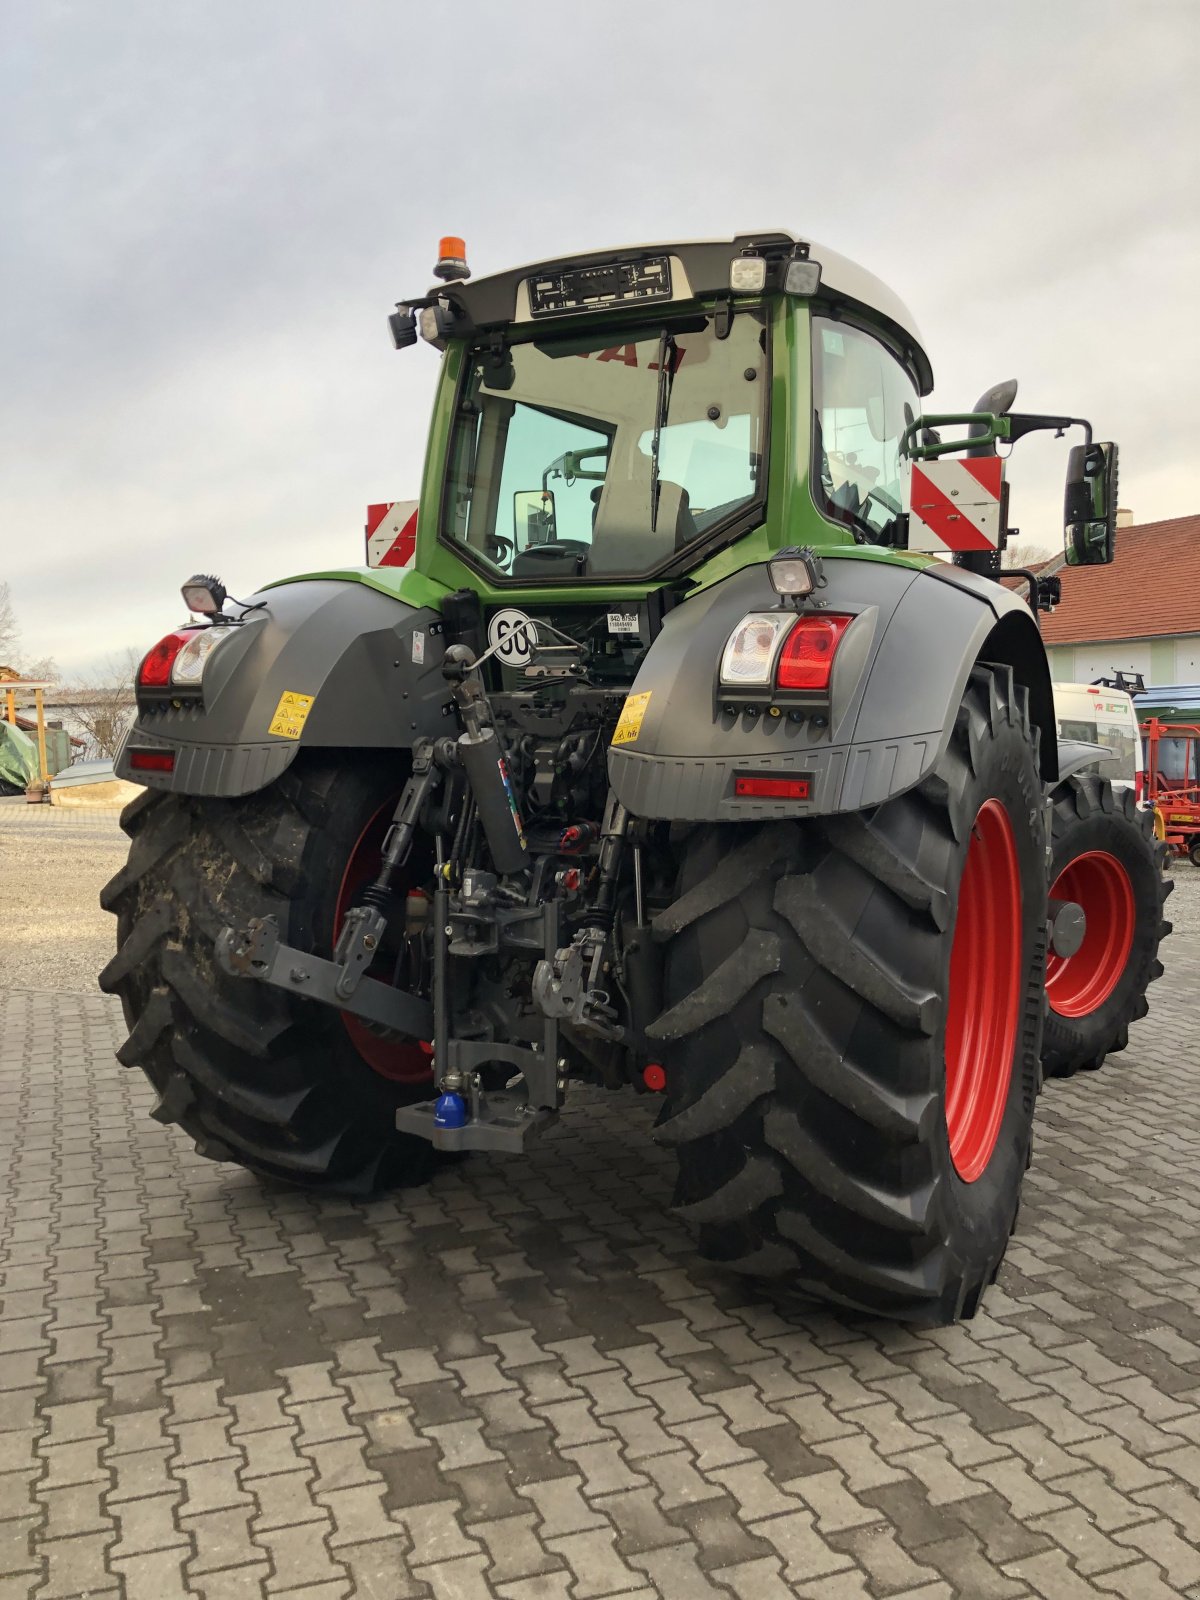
<point>10,643</point>
<point>103,705</point>
<point>10,633</point>
<point>1026,553</point>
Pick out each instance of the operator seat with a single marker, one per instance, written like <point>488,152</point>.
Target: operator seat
<point>621,536</point>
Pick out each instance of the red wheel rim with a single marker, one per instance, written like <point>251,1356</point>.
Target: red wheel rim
<point>985,992</point>
<point>1077,985</point>
<point>401,1060</point>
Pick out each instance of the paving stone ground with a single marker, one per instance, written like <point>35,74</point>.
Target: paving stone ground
<point>520,1382</point>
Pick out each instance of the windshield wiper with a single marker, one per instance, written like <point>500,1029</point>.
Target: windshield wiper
<point>666,379</point>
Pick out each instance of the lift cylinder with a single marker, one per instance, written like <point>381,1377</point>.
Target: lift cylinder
<point>484,764</point>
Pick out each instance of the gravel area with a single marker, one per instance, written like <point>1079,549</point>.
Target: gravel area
<point>53,864</point>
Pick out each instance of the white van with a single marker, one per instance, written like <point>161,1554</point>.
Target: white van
<point>1097,715</point>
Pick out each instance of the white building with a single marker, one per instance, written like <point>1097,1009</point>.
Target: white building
<point>1141,614</point>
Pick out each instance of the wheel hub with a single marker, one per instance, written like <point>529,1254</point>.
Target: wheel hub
<point>1080,980</point>
<point>1068,927</point>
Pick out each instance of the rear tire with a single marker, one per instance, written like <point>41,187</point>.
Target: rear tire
<point>809,994</point>
<point>1104,856</point>
<point>255,1075</point>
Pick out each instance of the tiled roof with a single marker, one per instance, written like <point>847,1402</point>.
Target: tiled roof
<point>1021,585</point>
<point>1149,591</point>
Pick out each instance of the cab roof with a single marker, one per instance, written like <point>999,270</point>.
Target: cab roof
<point>698,268</point>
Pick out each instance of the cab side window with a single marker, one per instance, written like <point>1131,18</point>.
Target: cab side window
<point>864,401</point>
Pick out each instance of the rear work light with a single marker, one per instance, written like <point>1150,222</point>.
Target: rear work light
<point>806,660</point>
<point>750,788</point>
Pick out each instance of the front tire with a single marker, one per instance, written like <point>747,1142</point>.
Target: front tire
<point>853,1029</point>
<point>1104,857</point>
<point>264,1078</point>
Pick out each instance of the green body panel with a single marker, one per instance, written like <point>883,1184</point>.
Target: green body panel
<point>792,516</point>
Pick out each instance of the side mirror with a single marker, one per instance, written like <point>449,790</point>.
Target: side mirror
<point>533,517</point>
<point>1090,505</point>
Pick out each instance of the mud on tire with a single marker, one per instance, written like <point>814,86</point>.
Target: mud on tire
<point>1103,850</point>
<point>254,1075</point>
<point>804,1037</point>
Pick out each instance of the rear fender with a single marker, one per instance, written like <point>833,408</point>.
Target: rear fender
<point>368,666</point>
<point>897,682</point>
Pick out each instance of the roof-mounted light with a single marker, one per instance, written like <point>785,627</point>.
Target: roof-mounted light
<point>452,259</point>
<point>747,274</point>
<point>427,322</point>
<point>402,325</point>
<point>802,278</point>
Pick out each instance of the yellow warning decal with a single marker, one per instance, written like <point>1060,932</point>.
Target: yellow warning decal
<point>291,714</point>
<point>632,715</point>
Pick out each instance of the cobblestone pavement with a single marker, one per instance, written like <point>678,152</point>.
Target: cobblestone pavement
<point>520,1382</point>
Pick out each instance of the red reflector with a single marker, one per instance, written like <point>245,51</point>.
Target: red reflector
<point>654,1078</point>
<point>771,788</point>
<point>806,659</point>
<point>155,670</point>
<point>152,760</point>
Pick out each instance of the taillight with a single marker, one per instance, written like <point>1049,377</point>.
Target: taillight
<point>806,660</point>
<point>746,787</point>
<point>749,655</point>
<point>177,662</point>
<point>152,760</point>
<point>155,670</point>
<point>770,650</point>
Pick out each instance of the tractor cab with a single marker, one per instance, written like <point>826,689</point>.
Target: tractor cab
<point>662,414</point>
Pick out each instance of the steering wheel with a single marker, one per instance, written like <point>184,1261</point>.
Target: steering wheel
<point>499,549</point>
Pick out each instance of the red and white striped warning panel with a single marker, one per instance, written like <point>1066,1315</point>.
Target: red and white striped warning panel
<point>392,533</point>
<point>956,504</point>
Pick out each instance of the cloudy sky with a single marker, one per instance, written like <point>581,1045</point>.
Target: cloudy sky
<point>207,209</point>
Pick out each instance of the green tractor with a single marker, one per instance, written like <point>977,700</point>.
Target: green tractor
<point>686,741</point>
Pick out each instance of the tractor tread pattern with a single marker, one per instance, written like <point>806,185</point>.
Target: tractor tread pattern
<point>1080,798</point>
<point>809,1157</point>
<point>245,1070</point>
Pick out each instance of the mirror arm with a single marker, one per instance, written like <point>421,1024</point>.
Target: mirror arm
<point>993,429</point>
<point>1022,422</point>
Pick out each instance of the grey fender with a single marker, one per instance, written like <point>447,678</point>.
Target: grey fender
<point>898,679</point>
<point>370,663</point>
<point>1074,757</point>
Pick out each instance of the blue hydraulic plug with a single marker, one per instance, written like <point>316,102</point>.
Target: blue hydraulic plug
<point>450,1111</point>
